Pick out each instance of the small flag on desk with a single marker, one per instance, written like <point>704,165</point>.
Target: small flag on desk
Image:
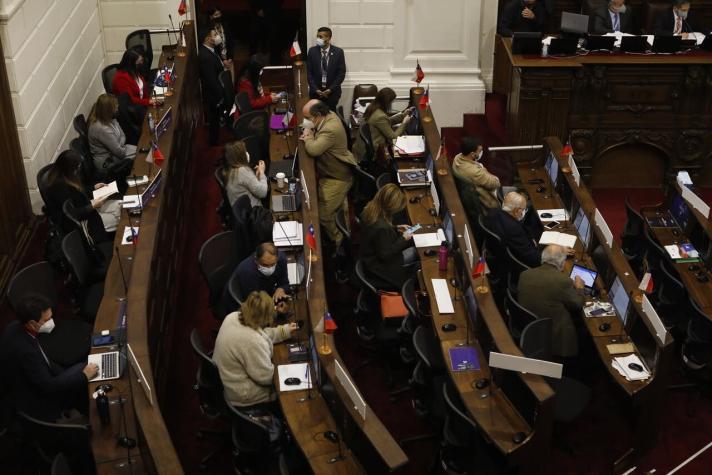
<point>182,8</point>
<point>424,99</point>
<point>567,150</point>
<point>419,74</point>
<point>289,120</point>
<point>329,323</point>
<point>480,268</point>
<point>442,151</point>
<point>311,238</point>
<point>154,155</point>
<point>295,49</point>
<point>646,283</point>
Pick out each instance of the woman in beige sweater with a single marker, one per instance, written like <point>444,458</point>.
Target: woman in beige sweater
<point>380,124</point>
<point>243,351</point>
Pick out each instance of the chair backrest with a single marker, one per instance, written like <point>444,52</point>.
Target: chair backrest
<point>632,235</point>
<point>383,179</point>
<point>70,211</point>
<point>107,76</point>
<point>241,220</point>
<point>602,264</point>
<point>654,252</point>
<point>670,288</point>
<point>249,435</point>
<point>493,240</point>
<point>53,438</point>
<point>364,189</point>
<point>242,101</point>
<point>37,278</point>
<point>42,187</point>
<point>217,260</point>
<point>535,340</point>
<point>233,287</point>
<point>81,126</point>
<point>364,90</point>
<point>650,11</point>
<point>518,316</point>
<point>347,127</point>
<point>207,379</point>
<point>408,295</point>
<point>253,123</point>
<point>140,40</point>
<point>76,255</point>
<point>460,429</point>
<point>60,465</point>
<point>360,271</point>
<point>427,348</point>
<point>365,133</point>
<point>340,219</point>
<point>515,267</point>
<point>90,174</point>
<point>228,86</point>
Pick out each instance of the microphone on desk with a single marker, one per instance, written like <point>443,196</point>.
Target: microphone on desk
<point>334,437</point>
<point>169,56</point>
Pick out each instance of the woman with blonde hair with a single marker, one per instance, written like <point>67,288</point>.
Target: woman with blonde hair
<point>107,141</point>
<point>386,249</point>
<point>239,178</point>
<point>243,352</point>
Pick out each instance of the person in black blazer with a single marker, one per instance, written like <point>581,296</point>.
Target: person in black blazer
<point>604,17</point>
<point>521,15</point>
<point>325,85</point>
<point>507,223</point>
<point>675,20</point>
<point>211,65</point>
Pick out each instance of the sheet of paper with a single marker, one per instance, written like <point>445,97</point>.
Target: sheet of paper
<point>574,170</point>
<point>555,237</point>
<point>140,180</point>
<point>295,271</point>
<point>442,296</point>
<point>296,370</point>
<point>131,201</point>
<point>696,202</point>
<point>683,178</point>
<point>620,363</point>
<point>282,230</point>
<point>410,144</point>
<point>108,190</point>
<point>556,215</point>
<point>429,239</point>
<point>603,226</point>
<point>673,251</point>
<point>129,236</point>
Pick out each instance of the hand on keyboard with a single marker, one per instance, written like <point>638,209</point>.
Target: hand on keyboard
<point>90,371</point>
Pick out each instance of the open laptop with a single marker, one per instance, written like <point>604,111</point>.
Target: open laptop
<point>286,166</point>
<point>587,275</point>
<point>634,44</point>
<point>574,23</point>
<point>287,202</point>
<point>600,43</point>
<point>142,200</point>
<point>667,44</point>
<point>111,364</point>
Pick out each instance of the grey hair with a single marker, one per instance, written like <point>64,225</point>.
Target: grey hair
<point>554,255</point>
<point>513,200</point>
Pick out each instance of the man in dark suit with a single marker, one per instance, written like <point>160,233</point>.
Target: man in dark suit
<point>675,20</point>
<point>549,293</point>
<point>521,15</point>
<point>211,65</point>
<point>615,16</point>
<point>507,223</point>
<point>42,389</point>
<point>326,69</point>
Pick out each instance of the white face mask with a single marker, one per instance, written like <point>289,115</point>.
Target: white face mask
<point>308,124</point>
<point>320,42</point>
<point>266,271</point>
<point>217,39</point>
<point>682,14</point>
<point>622,9</point>
<point>247,154</point>
<point>47,326</point>
<point>524,215</point>
<point>479,156</point>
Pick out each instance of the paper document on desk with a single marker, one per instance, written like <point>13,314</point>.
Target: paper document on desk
<point>130,235</point>
<point>442,296</point>
<point>287,233</point>
<point>619,37</point>
<point>296,370</point>
<point>683,178</point>
<point>555,237</point>
<point>410,145</point>
<point>695,201</point>
<point>556,215</point>
<point>104,191</point>
<point>620,363</point>
<point>429,239</point>
<point>574,170</point>
<point>673,251</point>
<point>295,271</point>
<point>139,180</point>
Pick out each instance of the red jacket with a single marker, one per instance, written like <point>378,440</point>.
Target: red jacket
<point>124,82</point>
<point>257,102</point>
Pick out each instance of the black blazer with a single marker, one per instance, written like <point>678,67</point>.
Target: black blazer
<point>210,68</point>
<point>382,249</point>
<point>602,23</point>
<point>664,23</point>
<point>511,19</point>
<point>41,390</point>
<point>335,71</point>
<point>514,236</point>
<point>58,193</point>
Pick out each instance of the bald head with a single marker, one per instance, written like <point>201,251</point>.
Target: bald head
<point>554,255</point>
<point>515,204</point>
<point>306,110</point>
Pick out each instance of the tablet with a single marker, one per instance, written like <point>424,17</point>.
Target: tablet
<point>587,275</point>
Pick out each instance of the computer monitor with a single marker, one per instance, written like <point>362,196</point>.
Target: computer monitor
<point>525,42</point>
<point>552,168</point>
<point>620,299</point>
<point>583,227</point>
<point>680,211</point>
<point>449,229</point>
<point>316,364</point>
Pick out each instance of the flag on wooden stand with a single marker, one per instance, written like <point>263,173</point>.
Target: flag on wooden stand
<point>295,50</point>
<point>419,74</point>
<point>424,99</point>
<point>182,8</point>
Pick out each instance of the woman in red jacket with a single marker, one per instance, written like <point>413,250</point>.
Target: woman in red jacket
<point>249,82</point>
<point>130,81</point>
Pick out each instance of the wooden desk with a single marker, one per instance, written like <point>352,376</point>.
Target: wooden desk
<point>601,101</point>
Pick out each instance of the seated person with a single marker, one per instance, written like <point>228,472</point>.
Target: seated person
<point>612,18</point>
<point>239,178</point>
<point>380,124</point>
<point>128,79</point>
<point>387,251</point>
<point>467,166</point>
<point>521,15</point>
<point>265,271</point>
<point>41,388</point>
<point>507,224</point>
<point>64,183</point>
<point>107,141</point>
<point>675,20</point>
<point>243,353</point>
<point>549,293</point>
<point>248,81</point>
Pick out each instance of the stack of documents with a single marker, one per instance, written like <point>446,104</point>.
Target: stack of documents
<point>554,237</point>
<point>556,215</point>
<point>412,145</point>
<point>429,239</point>
<point>288,233</point>
<point>599,309</point>
<point>105,191</point>
<point>296,370</point>
<point>442,296</point>
<point>620,363</point>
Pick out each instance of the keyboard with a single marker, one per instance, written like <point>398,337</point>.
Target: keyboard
<point>109,366</point>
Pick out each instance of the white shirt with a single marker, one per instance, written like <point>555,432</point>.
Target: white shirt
<point>139,82</point>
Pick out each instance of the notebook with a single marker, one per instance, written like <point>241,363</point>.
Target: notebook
<point>464,358</point>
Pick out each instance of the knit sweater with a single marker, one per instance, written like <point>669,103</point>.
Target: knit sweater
<point>244,359</point>
<point>243,181</point>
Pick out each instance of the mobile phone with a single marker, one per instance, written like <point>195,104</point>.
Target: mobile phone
<point>102,340</point>
<point>597,312</point>
<point>552,224</point>
<point>413,228</point>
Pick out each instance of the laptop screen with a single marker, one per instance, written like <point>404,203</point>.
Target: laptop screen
<point>587,275</point>
<point>552,168</point>
<point>620,299</point>
<point>680,211</point>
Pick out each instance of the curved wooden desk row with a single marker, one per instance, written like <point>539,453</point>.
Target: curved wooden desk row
<point>149,267</point>
<point>493,412</point>
<point>646,396</point>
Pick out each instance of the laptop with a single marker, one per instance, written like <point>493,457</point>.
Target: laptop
<point>563,46</point>
<point>524,42</point>
<point>634,44</point>
<point>110,364</point>
<point>600,42</point>
<point>142,200</point>
<point>667,44</point>
<point>587,275</point>
<point>286,166</point>
<point>284,203</point>
<point>574,23</point>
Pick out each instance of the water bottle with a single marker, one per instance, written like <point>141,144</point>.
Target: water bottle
<point>102,407</point>
<point>544,50</point>
<point>442,257</point>
<point>151,124</point>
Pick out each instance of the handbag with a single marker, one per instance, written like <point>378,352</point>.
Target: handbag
<point>392,305</point>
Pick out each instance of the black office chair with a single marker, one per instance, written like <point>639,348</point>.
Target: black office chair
<point>495,254</point>
<point>217,260</point>
<point>236,295</point>
<point>223,209</point>
<point>515,267</point>
<point>364,133</point>
<point>671,298</point>
<point>518,317</point>
<point>363,189</point>
<point>48,439</point>
<point>88,283</point>
<point>140,40</point>
<point>89,172</point>
<point>344,258</point>
<point>654,253</point>
<point>254,123</point>
<point>96,241</point>
<point>414,318</point>
<point>383,179</point>
<point>107,77</point>
<point>602,264</point>
<point>82,128</point>
<point>632,241</point>
<point>228,86</point>
<point>245,241</point>
<point>210,393</point>
<point>347,127</point>
<point>37,278</point>
<point>242,101</point>
<point>257,441</point>
<point>254,146</point>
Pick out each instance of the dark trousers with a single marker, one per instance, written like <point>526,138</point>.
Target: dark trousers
<point>212,116</point>
<point>332,101</point>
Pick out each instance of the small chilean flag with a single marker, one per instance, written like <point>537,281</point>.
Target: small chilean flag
<point>419,74</point>
<point>646,283</point>
<point>289,120</point>
<point>156,155</point>
<point>295,50</point>
<point>329,323</point>
<point>567,150</point>
<point>182,8</point>
<point>311,238</point>
<point>424,99</point>
<point>480,268</point>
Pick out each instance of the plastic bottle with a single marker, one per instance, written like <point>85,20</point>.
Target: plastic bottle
<point>544,50</point>
<point>102,407</point>
<point>442,257</point>
<point>151,124</point>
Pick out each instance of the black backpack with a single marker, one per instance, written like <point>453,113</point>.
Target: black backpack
<point>260,224</point>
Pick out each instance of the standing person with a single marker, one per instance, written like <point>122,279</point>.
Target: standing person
<point>211,65</point>
<point>225,48</point>
<point>324,139</point>
<point>265,29</point>
<point>326,69</point>
<point>248,80</point>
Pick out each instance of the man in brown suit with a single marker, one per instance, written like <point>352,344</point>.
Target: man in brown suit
<point>324,139</point>
<point>549,293</point>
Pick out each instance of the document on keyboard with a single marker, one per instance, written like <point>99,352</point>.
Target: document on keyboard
<point>429,239</point>
<point>442,296</point>
<point>553,237</point>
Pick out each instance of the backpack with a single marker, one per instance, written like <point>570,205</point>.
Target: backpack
<point>260,222</point>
